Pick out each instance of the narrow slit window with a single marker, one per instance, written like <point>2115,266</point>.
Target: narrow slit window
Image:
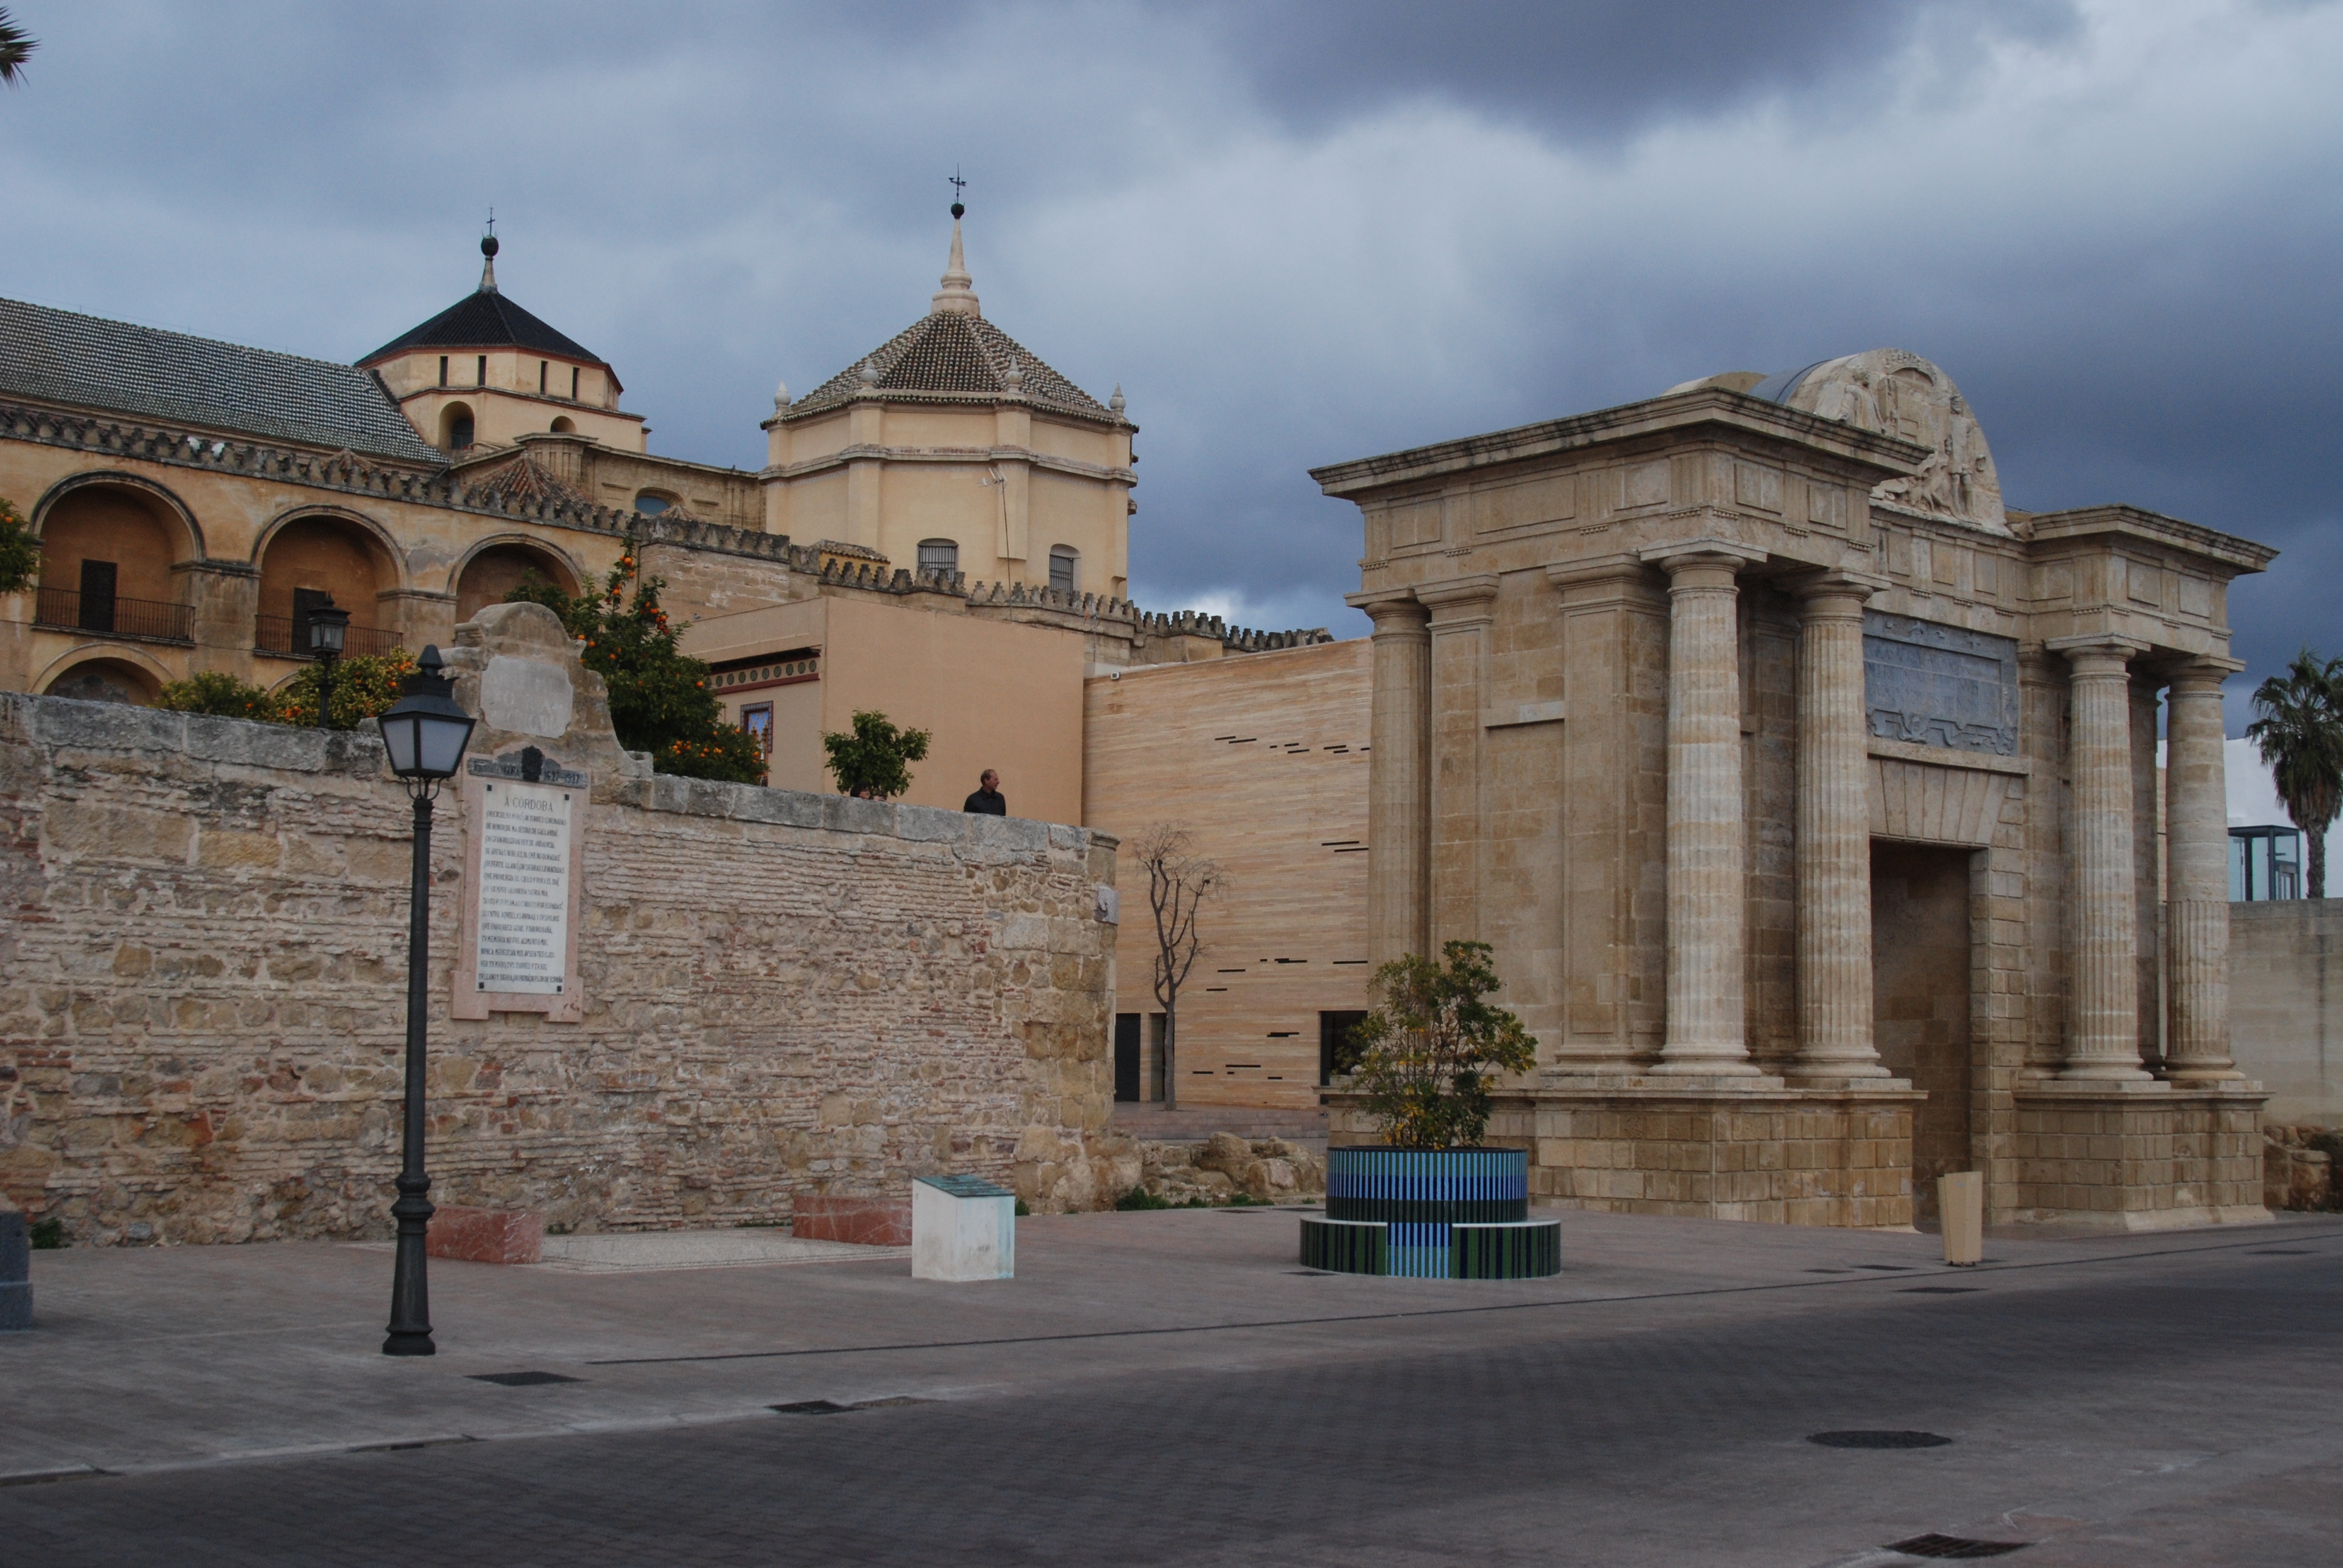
<point>443,370</point>
<point>542,369</point>
<point>573,384</point>
<point>480,376</point>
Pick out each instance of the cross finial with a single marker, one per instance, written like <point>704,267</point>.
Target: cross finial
<point>959,189</point>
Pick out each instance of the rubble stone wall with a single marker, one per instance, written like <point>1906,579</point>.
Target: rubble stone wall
<point>202,996</point>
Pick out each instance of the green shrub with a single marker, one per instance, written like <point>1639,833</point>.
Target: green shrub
<point>874,755</point>
<point>1023,1207</point>
<point>47,1235</point>
<point>221,696</point>
<point>20,552</point>
<point>1139,1198</point>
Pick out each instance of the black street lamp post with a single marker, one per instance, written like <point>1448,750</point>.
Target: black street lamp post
<point>330,631</point>
<point>424,733</point>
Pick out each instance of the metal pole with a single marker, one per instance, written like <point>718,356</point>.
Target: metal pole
<point>410,1295</point>
<point>324,691</point>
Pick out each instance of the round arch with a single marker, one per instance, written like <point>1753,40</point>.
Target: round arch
<point>309,553</point>
<point>563,424</point>
<point>457,428</point>
<point>135,677</point>
<point>377,535</point>
<point>189,547</point>
<point>495,564</point>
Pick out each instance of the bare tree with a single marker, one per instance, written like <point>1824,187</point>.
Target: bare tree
<point>1179,883</point>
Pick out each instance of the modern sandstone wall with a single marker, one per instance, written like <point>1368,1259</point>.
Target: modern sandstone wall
<point>202,980</point>
<point>2286,1006</point>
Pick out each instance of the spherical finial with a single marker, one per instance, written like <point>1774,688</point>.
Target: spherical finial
<point>1116,402</point>
<point>781,398</point>
<point>869,373</point>
<point>958,211</point>
<point>488,245</point>
<point>1013,379</point>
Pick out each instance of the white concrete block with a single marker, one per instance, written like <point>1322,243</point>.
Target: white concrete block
<point>962,1228</point>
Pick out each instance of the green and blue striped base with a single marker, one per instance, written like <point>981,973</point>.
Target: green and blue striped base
<point>1431,1214</point>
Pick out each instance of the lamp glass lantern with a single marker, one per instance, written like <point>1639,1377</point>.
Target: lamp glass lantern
<point>424,731</point>
<point>330,629</point>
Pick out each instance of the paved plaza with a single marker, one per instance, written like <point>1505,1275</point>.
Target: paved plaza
<point>1171,1388</point>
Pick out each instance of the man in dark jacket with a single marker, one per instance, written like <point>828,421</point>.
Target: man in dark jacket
<point>987,800</point>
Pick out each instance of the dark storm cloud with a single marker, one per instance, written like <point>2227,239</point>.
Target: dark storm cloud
<point>1296,234</point>
<point>1599,69</point>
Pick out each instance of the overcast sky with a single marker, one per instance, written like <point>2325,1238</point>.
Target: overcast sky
<point>1294,233</point>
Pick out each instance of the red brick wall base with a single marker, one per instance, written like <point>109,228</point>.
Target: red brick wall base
<point>866,1221</point>
<point>486,1235</point>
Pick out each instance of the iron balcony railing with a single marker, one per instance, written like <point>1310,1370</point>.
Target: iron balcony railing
<point>287,637</point>
<point>70,610</point>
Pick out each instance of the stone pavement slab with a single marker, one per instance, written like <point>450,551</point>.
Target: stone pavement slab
<point>1172,1387</point>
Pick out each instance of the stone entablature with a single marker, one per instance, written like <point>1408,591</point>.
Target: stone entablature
<point>1766,638</point>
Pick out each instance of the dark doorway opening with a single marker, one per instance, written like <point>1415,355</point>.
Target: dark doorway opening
<point>1920,1000</point>
<point>1338,1044</point>
<point>1126,1056</point>
<point>97,580</point>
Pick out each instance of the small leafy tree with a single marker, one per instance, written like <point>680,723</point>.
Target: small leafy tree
<point>2299,729</point>
<point>1180,881</point>
<point>221,696</point>
<point>874,756</point>
<point>365,686</point>
<point>20,552</point>
<point>660,699</point>
<point>1432,1046</point>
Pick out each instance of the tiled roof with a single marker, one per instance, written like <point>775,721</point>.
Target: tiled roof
<point>527,481</point>
<point>88,362</point>
<point>953,354</point>
<point>486,319</point>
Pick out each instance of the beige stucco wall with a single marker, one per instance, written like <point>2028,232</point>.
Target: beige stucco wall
<point>2285,1005</point>
<point>203,973</point>
<point>505,403</point>
<point>990,694</point>
<point>1003,482</point>
<point>1264,755</point>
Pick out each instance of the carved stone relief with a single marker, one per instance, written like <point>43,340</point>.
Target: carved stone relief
<point>1937,685</point>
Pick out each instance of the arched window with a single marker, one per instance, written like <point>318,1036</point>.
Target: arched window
<point>650,503</point>
<point>1065,564</point>
<point>564,425</point>
<point>492,575</point>
<point>939,556</point>
<point>456,427</point>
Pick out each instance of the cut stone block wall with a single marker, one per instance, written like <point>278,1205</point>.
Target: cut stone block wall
<point>203,972</point>
<point>2092,1158</point>
<point>2286,1006</point>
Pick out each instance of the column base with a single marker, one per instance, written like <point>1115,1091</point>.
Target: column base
<point>2105,1072</point>
<point>2111,1158</point>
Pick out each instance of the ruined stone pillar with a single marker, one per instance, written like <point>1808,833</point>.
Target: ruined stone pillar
<point>1707,852</point>
<point>2197,913</point>
<point>1399,782</point>
<point>1834,1022</point>
<point>2103,1037</point>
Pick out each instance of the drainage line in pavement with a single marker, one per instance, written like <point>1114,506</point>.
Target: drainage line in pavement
<point>1382,1317</point>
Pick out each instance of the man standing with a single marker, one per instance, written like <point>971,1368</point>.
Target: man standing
<point>987,800</point>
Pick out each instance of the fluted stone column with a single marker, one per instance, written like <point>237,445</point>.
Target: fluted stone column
<point>2103,1040</point>
<point>2197,913</point>
<point>1399,782</point>
<point>1834,1019</point>
<point>2147,865</point>
<point>1462,617</point>
<point>1708,863</point>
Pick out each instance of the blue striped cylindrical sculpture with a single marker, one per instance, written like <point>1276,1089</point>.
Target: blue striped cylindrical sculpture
<point>1431,1214</point>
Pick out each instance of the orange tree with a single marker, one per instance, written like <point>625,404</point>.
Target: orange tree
<point>660,699</point>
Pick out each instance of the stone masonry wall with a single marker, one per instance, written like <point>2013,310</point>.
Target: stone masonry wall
<point>202,986</point>
<point>2286,1006</point>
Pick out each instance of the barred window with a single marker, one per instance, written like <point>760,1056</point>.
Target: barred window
<point>939,556</point>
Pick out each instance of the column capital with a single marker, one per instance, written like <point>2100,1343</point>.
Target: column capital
<point>1459,599</point>
<point>1394,616</point>
<point>1835,593</point>
<point>1729,555</point>
<point>2096,652</point>
<point>2203,675</point>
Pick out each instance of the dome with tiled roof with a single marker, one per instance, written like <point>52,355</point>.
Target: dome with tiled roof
<point>485,318</point>
<point>953,355</point>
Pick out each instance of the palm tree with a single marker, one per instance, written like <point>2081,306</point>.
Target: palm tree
<point>16,46</point>
<point>2299,729</point>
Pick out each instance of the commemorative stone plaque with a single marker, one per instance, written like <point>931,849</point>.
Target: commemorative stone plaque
<point>524,855</point>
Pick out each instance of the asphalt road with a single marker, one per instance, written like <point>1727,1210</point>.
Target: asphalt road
<point>2130,1406</point>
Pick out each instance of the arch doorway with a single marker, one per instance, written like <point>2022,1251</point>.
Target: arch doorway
<point>456,427</point>
<point>310,560</point>
<point>107,555</point>
<point>490,577</point>
<point>106,680</point>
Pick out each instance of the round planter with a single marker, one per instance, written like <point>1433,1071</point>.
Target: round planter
<point>1431,1214</point>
